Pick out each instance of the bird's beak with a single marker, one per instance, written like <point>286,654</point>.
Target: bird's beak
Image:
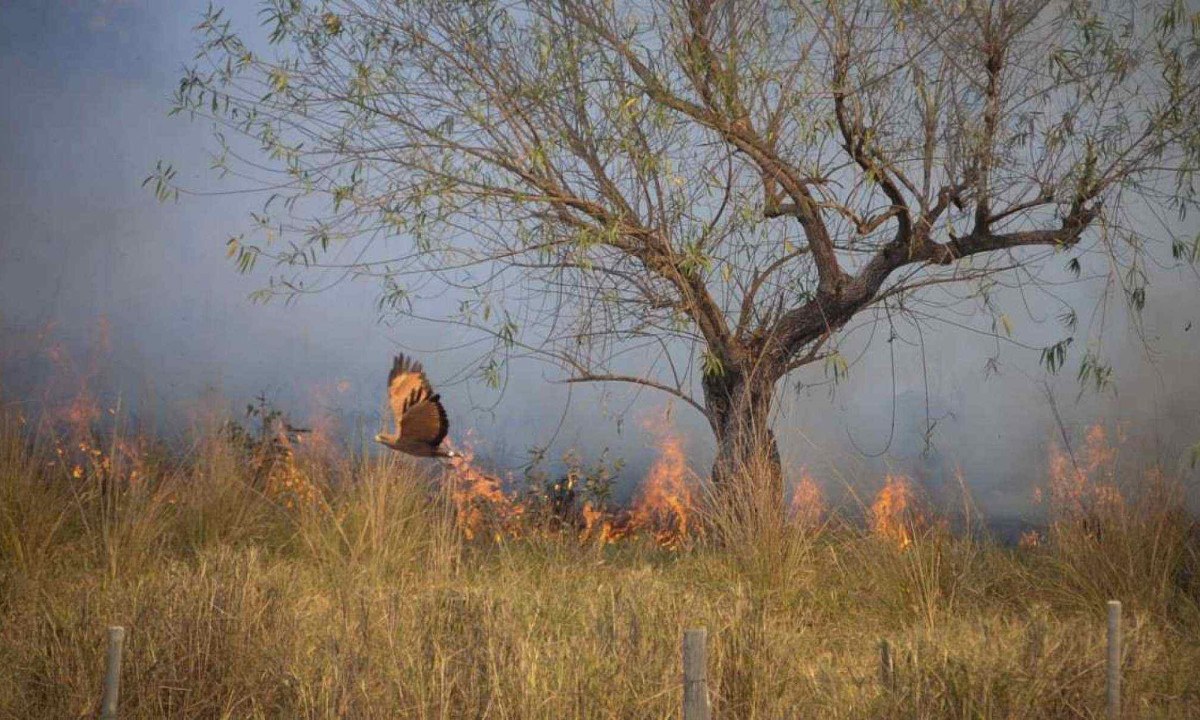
<point>378,437</point>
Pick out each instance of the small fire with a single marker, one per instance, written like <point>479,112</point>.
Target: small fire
<point>133,453</point>
<point>895,514</point>
<point>808,503</point>
<point>602,526</point>
<point>318,441</point>
<point>664,504</point>
<point>82,412</point>
<point>69,399</point>
<point>480,502</point>
<point>1029,540</point>
<point>91,440</point>
<point>662,508</point>
<point>1082,486</point>
<point>285,480</point>
<point>120,462</point>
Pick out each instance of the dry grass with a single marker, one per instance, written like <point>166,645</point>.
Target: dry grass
<point>367,604</point>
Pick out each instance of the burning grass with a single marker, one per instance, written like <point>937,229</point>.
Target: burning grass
<point>269,575</point>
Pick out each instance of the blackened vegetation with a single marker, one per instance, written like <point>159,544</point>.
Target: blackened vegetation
<point>559,502</point>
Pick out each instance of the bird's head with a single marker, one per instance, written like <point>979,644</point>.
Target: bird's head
<point>381,438</point>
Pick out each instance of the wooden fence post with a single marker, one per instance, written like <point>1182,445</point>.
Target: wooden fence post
<point>1114,660</point>
<point>886,665</point>
<point>112,673</point>
<point>695,675</point>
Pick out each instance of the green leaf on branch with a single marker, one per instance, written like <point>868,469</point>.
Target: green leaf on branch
<point>712,365</point>
<point>837,366</point>
<point>1055,356</point>
<point>491,374</point>
<point>1185,251</point>
<point>1094,371</point>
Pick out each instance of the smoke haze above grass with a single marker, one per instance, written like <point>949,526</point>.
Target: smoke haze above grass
<point>86,89</point>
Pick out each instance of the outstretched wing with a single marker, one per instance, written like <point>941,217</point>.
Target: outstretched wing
<point>425,419</point>
<point>405,382</point>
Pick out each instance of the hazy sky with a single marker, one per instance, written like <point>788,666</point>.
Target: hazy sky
<point>85,88</point>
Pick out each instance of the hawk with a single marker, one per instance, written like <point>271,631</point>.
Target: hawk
<point>421,423</point>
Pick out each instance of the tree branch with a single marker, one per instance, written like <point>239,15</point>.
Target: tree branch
<point>638,381</point>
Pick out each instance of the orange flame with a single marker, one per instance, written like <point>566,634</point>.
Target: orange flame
<point>1082,487</point>
<point>1029,540</point>
<point>895,514</point>
<point>664,503</point>
<point>81,409</point>
<point>808,503</point>
<point>286,481</point>
<point>662,507</point>
<point>118,460</point>
<point>479,499</point>
<point>602,526</point>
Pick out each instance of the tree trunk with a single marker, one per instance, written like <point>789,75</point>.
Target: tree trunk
<point>747,466</point>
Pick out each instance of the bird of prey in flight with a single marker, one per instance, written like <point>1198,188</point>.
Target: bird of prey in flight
<point>421,423</point>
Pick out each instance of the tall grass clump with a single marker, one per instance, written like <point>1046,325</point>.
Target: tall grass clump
<point>753,533</point>
<point>187,546</point>
<point>1117,530</point>
<point>32,511</point>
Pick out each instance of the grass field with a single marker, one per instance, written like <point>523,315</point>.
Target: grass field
<point>346,589</point>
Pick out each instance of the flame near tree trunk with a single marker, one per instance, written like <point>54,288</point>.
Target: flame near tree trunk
<point>663,507</point>
<point>1081,491</point>
<point>665,501</point>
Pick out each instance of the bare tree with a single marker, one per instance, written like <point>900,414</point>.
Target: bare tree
<point>701,196</point>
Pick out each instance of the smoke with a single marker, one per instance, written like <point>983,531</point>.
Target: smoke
<point>82,240</point>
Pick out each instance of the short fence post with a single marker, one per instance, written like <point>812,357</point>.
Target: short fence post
<point>112,673</point>
<point>886,665</point>
<point>1114,659</point>
<point>695,675</point>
